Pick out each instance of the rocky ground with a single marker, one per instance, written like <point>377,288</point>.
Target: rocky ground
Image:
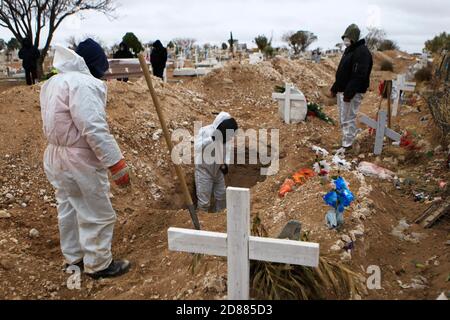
<point>414,261</point>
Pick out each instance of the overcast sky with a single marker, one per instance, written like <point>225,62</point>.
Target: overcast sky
<point>408,22</point>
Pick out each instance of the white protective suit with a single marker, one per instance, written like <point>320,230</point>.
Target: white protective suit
<point>348,112</point>
<point>80,149</point>
<point>209,179</point>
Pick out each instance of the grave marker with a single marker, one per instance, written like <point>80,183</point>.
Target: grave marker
<point>256,58</point>
<point>293,105</point>
<point>382,130</point>
<point>401,85</point>
<point>239,247</point>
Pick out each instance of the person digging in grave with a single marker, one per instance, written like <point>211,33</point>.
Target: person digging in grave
<point>212,158</point>
<point>80,151</point>
<point>352,82</point>
<point>158,58</point>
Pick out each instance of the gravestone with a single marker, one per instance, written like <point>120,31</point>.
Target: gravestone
<point>123,68</point>
<point>256,58</point>
<point>293,107</point>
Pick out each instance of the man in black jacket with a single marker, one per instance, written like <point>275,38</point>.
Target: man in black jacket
<point>352,81</point>
<point>158,59</point>
<point>29,55</point>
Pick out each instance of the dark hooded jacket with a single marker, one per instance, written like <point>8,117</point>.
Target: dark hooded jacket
<point>123,52</point>
<point>94,56</point>
<point>158,56</point>
<point>353,74</point>
<point>29,55</point>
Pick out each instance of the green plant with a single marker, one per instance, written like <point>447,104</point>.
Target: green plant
<point>317,111</point>
<point>13,44</point>
<point>262,42</point>
<point>387,65</point>
<point>133,42</point>
<point>280,89</point>
<point>438,43</point>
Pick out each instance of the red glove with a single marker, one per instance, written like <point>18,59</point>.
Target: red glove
<point>120,174</point>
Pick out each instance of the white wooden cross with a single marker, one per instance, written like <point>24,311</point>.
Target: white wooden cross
<point>382,130</point>
<point>239,247</point>
<point>399,86</point>
<point>288,97</point>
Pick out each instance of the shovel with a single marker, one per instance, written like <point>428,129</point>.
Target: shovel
<point>178,169</point>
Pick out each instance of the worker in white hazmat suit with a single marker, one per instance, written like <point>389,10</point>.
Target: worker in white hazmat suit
<point>212,157</point>
<point>80,151</point>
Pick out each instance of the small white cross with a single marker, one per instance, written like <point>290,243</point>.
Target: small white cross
<point>239,247</point>
<point>382,130</point>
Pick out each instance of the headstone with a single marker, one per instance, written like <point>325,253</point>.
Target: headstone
<point>293,107</point>
<point>240,247</point>
<point>292,231</point>
<point>256,58</point>
<point>180,62</point>
<point>191,72</point>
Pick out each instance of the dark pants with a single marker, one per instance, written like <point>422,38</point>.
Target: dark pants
<point>31,76</point>
<point>158,72</point>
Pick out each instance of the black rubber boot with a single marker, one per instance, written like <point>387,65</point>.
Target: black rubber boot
<point>79,265</point>
<point>115,269</point>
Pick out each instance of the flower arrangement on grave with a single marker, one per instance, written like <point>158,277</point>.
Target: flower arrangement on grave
<point>315,110</point>
<point>299,178</point>
<point>280,89</point>
<point>339,198</point>
<point>321,166</point>
<point>408,142</point>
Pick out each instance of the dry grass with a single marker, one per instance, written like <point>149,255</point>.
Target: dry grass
<point>272,281</point>
<point>331,280</point>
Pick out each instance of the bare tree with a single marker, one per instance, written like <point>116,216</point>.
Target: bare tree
<point>32,20</point>
<point>374,38</point>
<point>73,42</point>
<point>185,43</point>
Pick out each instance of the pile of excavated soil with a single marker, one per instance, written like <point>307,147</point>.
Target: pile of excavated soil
<point>30,265</point>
